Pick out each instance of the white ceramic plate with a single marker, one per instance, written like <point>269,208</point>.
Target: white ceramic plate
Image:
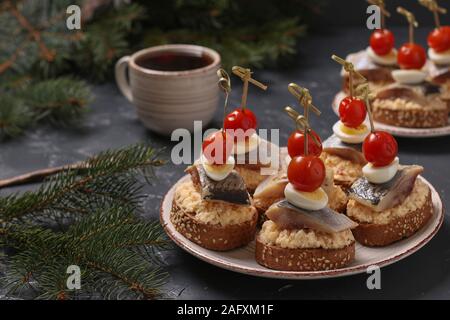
<point>242,260</point>
<point>399,131</point>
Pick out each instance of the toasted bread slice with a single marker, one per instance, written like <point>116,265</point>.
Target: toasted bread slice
<point>410,106</point>
<point>213,225</point>
<point>411,118</point>
<point>314,259</point>
<point>376,234</point>
<point>303,249</point>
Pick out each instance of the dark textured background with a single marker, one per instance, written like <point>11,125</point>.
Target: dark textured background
<point>113,123</point>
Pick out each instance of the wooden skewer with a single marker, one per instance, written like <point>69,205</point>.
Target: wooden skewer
<point>246,77</point>
<point>363,91</point>
<point>433,6</point>
<point>224,84</point>
<point>411,20</point>
<point>302,125</point>
<point>305,99</point>
<point>303,96</point>
<point>348,67</point>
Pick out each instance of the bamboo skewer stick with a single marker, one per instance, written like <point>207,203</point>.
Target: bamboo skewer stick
<point>224,84</point>
<point>348,67</point>
<point>246,77</point>
<point>433,6</point>
<point>365,94</point>
<point>304,98</point>
<point>302,125</point>
<point>302,122</point>
<point>411,20</point>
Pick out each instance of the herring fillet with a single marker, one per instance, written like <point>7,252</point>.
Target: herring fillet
<point>232,189</point>
<point>386,195</point>
<point>288,216</point>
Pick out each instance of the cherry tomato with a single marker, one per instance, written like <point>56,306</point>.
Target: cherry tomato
<point>380,148</point>
<point>382,41</point>
<point>296,144</point>
<point>243,119</point>
<point>411,56</point>
<point>352,112</point>
<point>306,173</point>
<point>217,147</point>
<point>439,39</point>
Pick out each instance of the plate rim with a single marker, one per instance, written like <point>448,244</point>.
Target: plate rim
<point>402,131</point>
<point>183,243</point>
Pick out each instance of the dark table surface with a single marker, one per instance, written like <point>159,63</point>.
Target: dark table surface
<point>113,123</point>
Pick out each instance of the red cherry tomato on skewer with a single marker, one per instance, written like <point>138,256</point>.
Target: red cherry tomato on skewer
<point>439,39</point>
<point>243,119</point>
<point>382,41</point>
<point>296,144</point>
<point>380,148</point>
<point>352,112</point>
<point>411,56</point>
<point>306,173</point>
<point>217,147</point>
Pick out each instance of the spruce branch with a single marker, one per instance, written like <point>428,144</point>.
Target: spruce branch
<point>254,33</point>
<point>60,101</point>
<point>26,18</point>
<point>105,40</point>
<point>111,175</point>
<point>36,45</point>
<point>107,241</point>
<point>15,116</point>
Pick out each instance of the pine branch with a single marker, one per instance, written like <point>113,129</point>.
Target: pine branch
<point>252,45</point>
<point>135,276</point>
<point>33,33</point>
<point>15,116</point>
<point>59,101</point>
<point>106,40</point>
<point>246,32</point>
<point>92,244</point>
<point>115,170</point>
<point>35,47</point>
<point>107,242</point>
<point>35,42</point>
<point>62,100</point>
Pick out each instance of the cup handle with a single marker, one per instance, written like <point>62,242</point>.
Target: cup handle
<point>121,77</point>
